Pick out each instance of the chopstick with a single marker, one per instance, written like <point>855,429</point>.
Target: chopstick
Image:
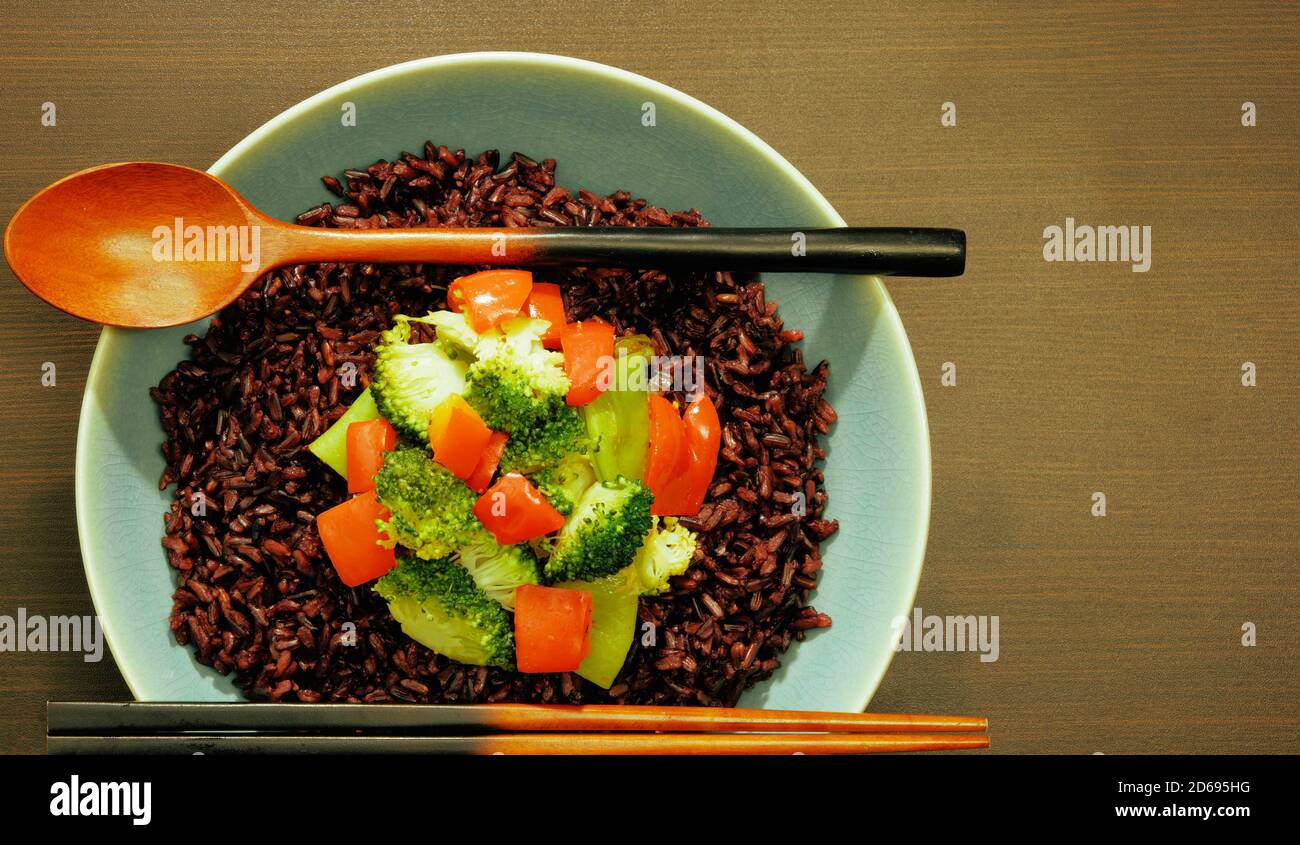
<point>106,717</point>
<point>522,743</point>
<point>148,727</point>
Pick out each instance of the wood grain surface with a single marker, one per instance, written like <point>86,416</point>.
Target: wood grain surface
<point>1118,634</point>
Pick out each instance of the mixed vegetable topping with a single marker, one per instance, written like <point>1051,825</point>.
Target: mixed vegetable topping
<point>516,481</point>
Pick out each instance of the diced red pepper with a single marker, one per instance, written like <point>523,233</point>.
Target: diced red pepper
<point>683,494</point>
<point>547,303</point>
<point>552,628</point>
<point>351,539</point>
<point>458,436</point>
<point>514,511</point>
<point>367,441</point>
<point>588,354</point>
<point>481,477</point>
<point>490,296</point>
<point>703,438</point>
<point>668,457</point>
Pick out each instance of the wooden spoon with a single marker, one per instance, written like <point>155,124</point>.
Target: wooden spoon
<point>146,245</point>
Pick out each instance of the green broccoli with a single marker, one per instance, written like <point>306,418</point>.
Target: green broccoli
<point>545,445</point>
<point>603,533</point>
<point>502,393</point>
<point>520,339</point>
<point>454,332</point>
<point>412,379</point>
<point>437,604</point>
<point>432,510</point>
<point>666,551</point>
<point>516,384</point>
<point>564,483</point>
<point>498,569</point>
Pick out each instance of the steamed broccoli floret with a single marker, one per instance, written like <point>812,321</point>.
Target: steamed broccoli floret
<point>564,483</point>
<point>665,552</point>
<point>516,384</point>
<point>503,394</point>
<point>437,604</point>
<point>498,570</point>
<point>432,510</point>
<point>520,339</point>
<point>412,379</point>
<point>454,332</point>
<point>545,445</point>
<point>603,533</point>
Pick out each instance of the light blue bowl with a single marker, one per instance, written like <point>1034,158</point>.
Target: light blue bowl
<point>590,118</point>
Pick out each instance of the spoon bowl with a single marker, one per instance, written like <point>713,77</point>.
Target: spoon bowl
<point>109,244</point>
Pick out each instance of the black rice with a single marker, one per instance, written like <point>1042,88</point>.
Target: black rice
<point>256,595</point>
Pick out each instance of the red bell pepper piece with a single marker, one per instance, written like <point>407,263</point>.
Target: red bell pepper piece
<point>668,457</point>
<point>552,628</point>
<point>514,511</point>
<point>683,493</point>
<point>481,477</point>
<point>458,436</point>
<point>547,303</point>
<point>351,539</point>
<point>588,353</point>
<point>490,296</point>
<point>367,441</point>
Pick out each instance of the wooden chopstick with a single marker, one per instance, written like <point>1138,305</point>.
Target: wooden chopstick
<point>147,717</point>
<point>520,743</point>
<point>187,728</point>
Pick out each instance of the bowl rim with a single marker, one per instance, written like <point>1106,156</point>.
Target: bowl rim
<point>109,336</point>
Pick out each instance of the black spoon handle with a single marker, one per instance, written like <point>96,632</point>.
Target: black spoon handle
<point>882,252</point>
<point>878,252</point>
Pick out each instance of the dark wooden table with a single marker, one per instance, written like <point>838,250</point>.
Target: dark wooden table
<point>1120,633</point>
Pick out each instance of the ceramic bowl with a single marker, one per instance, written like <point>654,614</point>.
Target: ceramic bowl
<point>593,120</point>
